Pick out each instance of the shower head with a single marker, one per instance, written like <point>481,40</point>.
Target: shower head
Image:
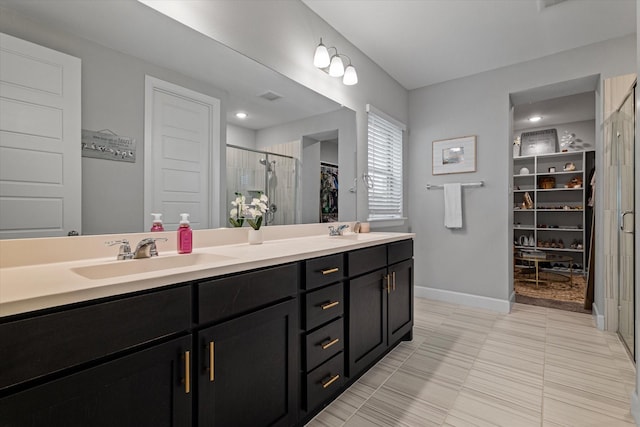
<point>263,162</point>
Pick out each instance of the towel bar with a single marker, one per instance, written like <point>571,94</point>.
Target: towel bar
<point>464,184</point>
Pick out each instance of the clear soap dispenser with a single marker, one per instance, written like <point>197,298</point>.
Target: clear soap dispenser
<point>157,222</point>
<point>184,235</point>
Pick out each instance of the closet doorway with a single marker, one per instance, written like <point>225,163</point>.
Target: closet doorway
<point>554,141</point>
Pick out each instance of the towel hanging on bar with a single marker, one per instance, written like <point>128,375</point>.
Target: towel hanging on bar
<point>453,205</point>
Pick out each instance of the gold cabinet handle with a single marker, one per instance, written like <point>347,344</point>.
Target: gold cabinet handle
<point>329,305</point>
<point>330,343</point>
<point>330,381</point>
<point>212,358</point>
<point>187,372</point>
<point>394,280</point>
<point>387,277</point>
<point>329,271</point>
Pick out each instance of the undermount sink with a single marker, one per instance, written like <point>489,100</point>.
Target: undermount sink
<point>146,265</point>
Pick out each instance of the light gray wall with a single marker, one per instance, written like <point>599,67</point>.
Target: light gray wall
<point>310,181</point>
<point>241,137</point>
<point>477,260</point>
<point>343,121</point>
<point>329,152</point>
<point>112,98</point>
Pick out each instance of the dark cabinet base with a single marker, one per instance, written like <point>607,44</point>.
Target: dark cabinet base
<point>145,389</point>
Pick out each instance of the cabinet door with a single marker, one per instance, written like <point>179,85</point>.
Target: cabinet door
<point>147,388</point>
<point>367,318</point>
<point>248,369</point>
<point>400,300</point>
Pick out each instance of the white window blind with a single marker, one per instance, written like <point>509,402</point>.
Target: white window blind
<point>384,166</point>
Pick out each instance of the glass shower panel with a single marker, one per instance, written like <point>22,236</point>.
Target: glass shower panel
<point>251,172</point>
<point>282,183</point>
<point>245,174</point>
<point>624,152</point>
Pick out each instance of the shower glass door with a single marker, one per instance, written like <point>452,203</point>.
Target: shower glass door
<point>252,172</point>
<point>624,153</point>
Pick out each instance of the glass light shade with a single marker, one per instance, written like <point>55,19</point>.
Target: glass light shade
<point>336,68</point>
<point>321,58</point>
<point>350,76</point>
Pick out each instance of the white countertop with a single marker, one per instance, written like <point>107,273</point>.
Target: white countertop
<point>28,287</point>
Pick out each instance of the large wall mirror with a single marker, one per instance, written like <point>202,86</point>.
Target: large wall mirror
<point>295,145</point>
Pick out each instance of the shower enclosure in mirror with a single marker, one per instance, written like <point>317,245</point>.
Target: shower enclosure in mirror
<point>251,172</point>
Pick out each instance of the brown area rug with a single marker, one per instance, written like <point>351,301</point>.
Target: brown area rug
<point>557,292</point>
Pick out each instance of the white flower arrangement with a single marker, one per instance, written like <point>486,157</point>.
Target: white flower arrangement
<point>252,213</point>
<point>236,217</point>
<point>256,211</point>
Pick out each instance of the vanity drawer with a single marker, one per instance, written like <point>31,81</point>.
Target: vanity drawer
<point>225,298</point>
<point>324,270</point>
<point>400,251</point>
<point>325,381</point>
<point>51,342</point>
<point>368,259</point>
<point>323,305</point>
<point>324,343</point>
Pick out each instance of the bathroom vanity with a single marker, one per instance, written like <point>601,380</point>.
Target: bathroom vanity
<point>268,337</point>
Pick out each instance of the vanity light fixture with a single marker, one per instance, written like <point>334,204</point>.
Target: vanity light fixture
<point>242,115</point>
<point>333,64</point>
<point>535,118</point>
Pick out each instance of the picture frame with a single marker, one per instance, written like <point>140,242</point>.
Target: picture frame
<point>454,155</point>
<point>539,142</point>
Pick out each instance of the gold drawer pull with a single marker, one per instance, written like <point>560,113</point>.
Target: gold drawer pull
<point>329,271</point>
<point>330,343</point>
<point>329,305</point>
<point>212,358</point>
<point>331,381</point>
<point>187,372</point>
<point>394,280</point>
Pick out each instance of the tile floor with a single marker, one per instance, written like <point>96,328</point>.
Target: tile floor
<point>469,367</point>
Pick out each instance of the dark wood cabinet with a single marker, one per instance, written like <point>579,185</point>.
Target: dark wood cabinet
<point>380,302</point>
<point>400,301</point>
<point>367,319</point>
<point>151,387</point>
<point>267,347</point>
<point>247,369</point>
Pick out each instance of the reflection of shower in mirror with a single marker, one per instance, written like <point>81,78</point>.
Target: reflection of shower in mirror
<point>252,172</point>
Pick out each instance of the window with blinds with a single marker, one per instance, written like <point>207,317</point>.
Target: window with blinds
<point>384,166</point>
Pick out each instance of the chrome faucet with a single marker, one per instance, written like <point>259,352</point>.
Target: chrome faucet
<point>124,252</point>
<point>145,249</point>
<point>337,231</point>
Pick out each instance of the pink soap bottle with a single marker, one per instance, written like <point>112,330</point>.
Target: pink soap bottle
<point>184,235</point>
<point>157,222</point>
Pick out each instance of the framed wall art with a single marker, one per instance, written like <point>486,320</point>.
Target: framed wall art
<point>456,155</point>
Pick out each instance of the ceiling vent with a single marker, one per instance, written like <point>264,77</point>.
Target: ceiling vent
<point>543,4</point>
<point>270,96</point>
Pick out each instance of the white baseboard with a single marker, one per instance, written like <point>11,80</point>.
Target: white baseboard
<point>598,318</point>
<point>635,407</point>
<point>494,304</point>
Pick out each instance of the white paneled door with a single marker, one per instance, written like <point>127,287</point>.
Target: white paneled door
<point>40,120</point>
<point>182,143</point>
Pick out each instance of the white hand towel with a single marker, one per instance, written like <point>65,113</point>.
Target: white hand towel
<point>453,205</point>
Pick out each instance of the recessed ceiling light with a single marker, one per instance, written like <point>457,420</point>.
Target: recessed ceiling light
<point>242,115</point>
<point>535,118</point>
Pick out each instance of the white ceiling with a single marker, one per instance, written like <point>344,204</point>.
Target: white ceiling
<point>422,42</point>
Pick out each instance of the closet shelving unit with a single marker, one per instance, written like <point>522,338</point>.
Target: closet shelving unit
<point>559,221</point>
